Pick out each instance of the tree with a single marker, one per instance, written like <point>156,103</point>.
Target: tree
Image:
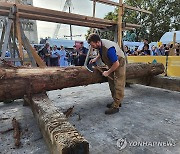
<point>165,17</point>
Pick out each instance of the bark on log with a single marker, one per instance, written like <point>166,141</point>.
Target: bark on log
<point>60,136</point>
<point>15,83</point>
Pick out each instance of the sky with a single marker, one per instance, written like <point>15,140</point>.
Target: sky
<point>83,7</point>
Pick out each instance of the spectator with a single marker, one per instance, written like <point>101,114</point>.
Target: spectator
<point>62,59</point>
<point>45,54</point>
<point>177,46</point>
<point>74,56</point>
<point>135,53</point>
<point>127,51</point>
<point>146,50</point>
<point>140,48</point>
<point>54,56</point>
<point>154,51</point>
<point>82,54</point>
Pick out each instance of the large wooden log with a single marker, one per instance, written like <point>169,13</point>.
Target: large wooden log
<point>16,82</point>
<point>60,136</point>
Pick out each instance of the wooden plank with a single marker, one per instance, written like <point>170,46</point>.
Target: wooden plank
<point>31,52</point>
<point>60,136</point>
<point>136,9</point>
<point>60,14</point>
<point>120,14</point>
<point>18,34</point>
<point>62,20</point>
<point>2,37</point>
<point>128,28</point>
<point>27,47</point>
<point>132,25</point>
<point>6,39</point>
<point>108,2</point>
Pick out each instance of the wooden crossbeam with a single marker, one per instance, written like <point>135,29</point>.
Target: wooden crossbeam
<point>62,20</point>
<point>108,2</point>
<point>136,9</point>
<point>132,25</point>
<point>124,5</point>
<point>36,13</point>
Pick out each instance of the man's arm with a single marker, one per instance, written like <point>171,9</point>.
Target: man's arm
<point>112,69</point>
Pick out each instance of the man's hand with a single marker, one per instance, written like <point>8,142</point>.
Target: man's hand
<point>105,73</point>
<point>92,61</point>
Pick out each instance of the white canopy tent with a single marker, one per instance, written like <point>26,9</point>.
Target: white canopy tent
<point>168,37</point>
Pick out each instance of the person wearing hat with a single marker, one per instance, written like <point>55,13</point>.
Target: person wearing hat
<point>114,58</point>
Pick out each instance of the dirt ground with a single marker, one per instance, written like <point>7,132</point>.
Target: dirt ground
<point>148,121</point>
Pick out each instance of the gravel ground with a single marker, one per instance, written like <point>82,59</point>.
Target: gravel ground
<point>148,121</point>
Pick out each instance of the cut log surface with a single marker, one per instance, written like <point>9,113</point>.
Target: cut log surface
<point>16,82</point>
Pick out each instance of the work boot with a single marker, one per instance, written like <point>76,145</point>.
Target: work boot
<point>109,105</point>
<point>112,110</point>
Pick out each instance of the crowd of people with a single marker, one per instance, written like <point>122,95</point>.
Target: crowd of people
<point>54,56</point>
<point>146,50</point>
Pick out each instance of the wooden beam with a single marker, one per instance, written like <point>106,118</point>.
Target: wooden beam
<point>62,20</point>
<point>60,14</point>
<point>128,28</point>
<point>15,83</point>
<point>132,25</point>
<point>18,34</point>
<point>2,37</point>
<point>60,136</point>
<point>136,9</point>
<point>107,2</point>
<point>120,31</point>
<point>31,52</point>
<point>6,39</point>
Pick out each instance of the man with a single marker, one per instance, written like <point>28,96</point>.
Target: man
<point>114,58</point>
<point>44,54</point>
<point>54,56</point>
<point>140,48</point>
<point>82,54</point>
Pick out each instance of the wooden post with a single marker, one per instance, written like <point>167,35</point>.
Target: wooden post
<point>2,37</point>
<point>120,13</point>
<point>6,40</point>
<point>172,50</point>
<point>92,30</point>
<point>18,35</point>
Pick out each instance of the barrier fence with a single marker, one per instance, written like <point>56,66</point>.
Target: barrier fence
<point>171,63</point>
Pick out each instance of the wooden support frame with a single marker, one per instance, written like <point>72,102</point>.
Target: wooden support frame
<point>18,35</point>
<point>2,37</point>
<point>6,39</point>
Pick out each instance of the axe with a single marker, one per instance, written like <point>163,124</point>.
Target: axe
<point>90,67</point>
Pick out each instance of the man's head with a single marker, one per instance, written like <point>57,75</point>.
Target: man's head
<point>145,41</point>
<point>54,47</point>
<point>47,45</point>
<point>94,40</point>
<point>81,44</point>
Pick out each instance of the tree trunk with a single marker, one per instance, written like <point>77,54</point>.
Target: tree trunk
<point>16,82</point>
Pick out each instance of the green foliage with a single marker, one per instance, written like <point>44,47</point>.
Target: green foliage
<point>165,17</point>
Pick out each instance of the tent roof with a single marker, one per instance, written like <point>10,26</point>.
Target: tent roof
<point>168,37</point>
<point>65,43</point>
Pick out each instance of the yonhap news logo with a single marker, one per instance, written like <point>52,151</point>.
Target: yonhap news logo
<point>123,143</point>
